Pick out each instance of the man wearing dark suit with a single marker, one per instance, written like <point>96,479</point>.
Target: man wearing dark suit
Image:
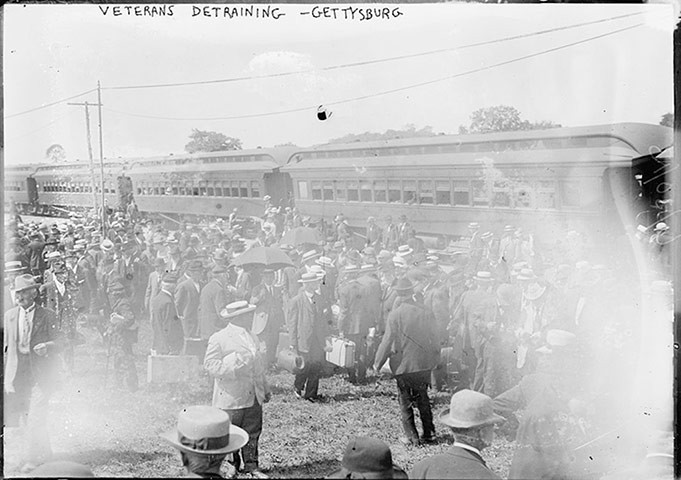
<point>35,249</point>
<point>214,296</point>
<point>269,314</point>
<point>187,297</point>
<point>471,418</point>
<point>411,343</point>
<point>307,328</point>
<point>32,341</point>
<point>168,334</point>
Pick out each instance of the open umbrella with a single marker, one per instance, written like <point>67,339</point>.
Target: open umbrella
<point>300,235</point>
<point>267,257</point>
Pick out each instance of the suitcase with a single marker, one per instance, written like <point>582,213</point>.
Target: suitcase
<point>196,347</point>
<point>342,353</point>
<point>289,361</point>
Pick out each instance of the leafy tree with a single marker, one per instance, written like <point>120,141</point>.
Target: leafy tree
<point>409,131</point>
<point>501,118</point>
<point>667,120</point>
<point>55,153</point>
<point>205,141</point>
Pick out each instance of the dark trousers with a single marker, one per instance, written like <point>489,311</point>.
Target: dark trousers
<point>270,337</point>
<point>307,381</point>
<point>413,393</point>
<point>250,419</point>
<point>358,373</point>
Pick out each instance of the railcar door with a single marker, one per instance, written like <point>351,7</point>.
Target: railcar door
<point>124,192</point>
<point>279,186</point>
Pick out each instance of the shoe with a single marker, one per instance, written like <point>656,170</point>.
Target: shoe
<point>257,474</point>
<point>316,399</point>
<point>298,393</point>
<point>429,439</point>
<point>414,442</point>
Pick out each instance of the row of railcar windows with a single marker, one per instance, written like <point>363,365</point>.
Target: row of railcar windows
<point>238,189</point>
<point>477,193</point>
<point>72,187</point>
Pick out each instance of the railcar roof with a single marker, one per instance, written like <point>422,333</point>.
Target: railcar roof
<point>562,157</point>
<point>640,136</point>
<point>264,166</point>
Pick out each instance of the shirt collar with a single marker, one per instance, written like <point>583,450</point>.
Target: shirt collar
<point>465,446</point>
<point>30,308</point>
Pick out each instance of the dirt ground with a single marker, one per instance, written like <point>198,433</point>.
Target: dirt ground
<point>115,432</point>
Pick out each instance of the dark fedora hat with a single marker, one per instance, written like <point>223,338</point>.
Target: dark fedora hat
<point>404,286</point>
<point>367,457</point>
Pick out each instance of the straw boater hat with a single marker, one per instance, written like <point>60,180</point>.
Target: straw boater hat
<point>474,225</point>
<point>206,431</point>
<point>235,309</point>
<point>107,245</point>
<point>509,228</point>
<point>317,270</point>
<point>309,277</point>
<point>404,250</point>
<point>14,266</point>
<point>367,268</point>
<point>350,268</point>
<point>309,255</point>
<point>526,274</point>
<point>369,458</point>
<point>400,262</point>
<point>469,409</point>
<point>484,277</point>
<point>324,262</point>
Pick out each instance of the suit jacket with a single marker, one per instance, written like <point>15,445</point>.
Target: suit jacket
<point>153,287</point>
<point>357,310</point>
<point>307,325</point>
<point>410,339</point>
<point>270,304</point>
<point>187,301</point>
<point>236,359</point>
<point>168,334</point>
<point>45,329</point>
<point>35,257</point>
<point>212,300</point>
<point>455,463</point>
<point>371,298</point>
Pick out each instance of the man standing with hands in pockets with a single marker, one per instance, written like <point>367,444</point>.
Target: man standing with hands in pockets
<point>31,343</point>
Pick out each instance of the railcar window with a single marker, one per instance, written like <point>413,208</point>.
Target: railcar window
<point>569,193</point>
<point>394,191</point>
<point>501,195</point>
<point>409,191</point>
<point>243,189</point>
<point>522,196</point>
<point>339,187</point>
<point>327,188</point>
<point>235,189</point>
<point>353,191</point>
<point>202,189</point>
<point>426,192</point>
<point>443,193</point>
<point>195,191</point>
<point>218,190</point>
<point>255,189</point>
<point>365,191</point>
<point>316,190</point>
<point>546,194</point>
<point>302,190</point>
<point>480,195</point>
<point>380,191</point>
<point>226,190</point>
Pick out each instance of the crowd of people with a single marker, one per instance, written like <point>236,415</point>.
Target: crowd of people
<point>506,326</point>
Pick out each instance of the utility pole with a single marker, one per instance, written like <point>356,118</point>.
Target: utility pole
<point>101,155</point>
<point>89,150</point>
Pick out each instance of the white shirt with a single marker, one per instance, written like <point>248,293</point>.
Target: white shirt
<point>467,447</point>
<point>25,325</point>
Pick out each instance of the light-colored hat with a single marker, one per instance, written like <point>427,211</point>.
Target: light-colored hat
<point>661,226</point>
<point>368,267</point>
<point>53,256</point>
<point>309,255</point>
<point>267,197</point>
<point>324,262</point>
<point>63,228</point>
<point>509,228</point>
<point>384,255</point>
<point>404,250</point>
<point>468,409</point>
<point>557,339</point>
<point>526,274</point>
<point>400,262</point>
<point>205,430</point>
<point>350,268</point>
<point>309,277</point>
<point>484,277</point>
<point>24,282</point>
<point>534,291</point>
<point>236,308</point>
<point>317,270</point>
<point>13,266</point>
<point>473,225</point>
<point>486,235</point>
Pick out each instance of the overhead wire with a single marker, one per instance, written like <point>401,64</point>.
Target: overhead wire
<point>51,104</point>
<point>375,61</point>
<point>384,92</point>
<point>31,132</point>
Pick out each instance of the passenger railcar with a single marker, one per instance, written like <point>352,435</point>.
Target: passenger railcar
<point>548,181</point>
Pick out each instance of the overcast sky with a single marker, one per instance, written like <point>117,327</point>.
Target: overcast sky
<point>52,52</point>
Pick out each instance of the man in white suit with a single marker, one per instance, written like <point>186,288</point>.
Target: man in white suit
<point>236,359</point>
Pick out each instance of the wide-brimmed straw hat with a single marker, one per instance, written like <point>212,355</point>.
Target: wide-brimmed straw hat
<point>484,277</point>
<point>236,308</point>
<point>468,409</point>
<point>14,266</point>
<point>309,277</point>
<point>404,250</point>
<point>206,431</point>
<point>367,457</point>
<point>309,255</point>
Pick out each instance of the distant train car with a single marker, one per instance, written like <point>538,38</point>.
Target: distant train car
<point>546,180</point>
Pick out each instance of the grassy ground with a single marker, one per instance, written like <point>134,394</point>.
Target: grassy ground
<point>115,432</point>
